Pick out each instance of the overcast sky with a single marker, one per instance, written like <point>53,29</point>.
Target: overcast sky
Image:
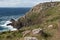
<point>21,3</point>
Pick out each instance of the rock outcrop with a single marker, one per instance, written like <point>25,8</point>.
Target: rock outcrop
<point>15,24</point>
<point>37,31</point>
<point>26,32</point>
<point>30,38</point>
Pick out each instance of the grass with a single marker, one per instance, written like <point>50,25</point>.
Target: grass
<point>10,35</point>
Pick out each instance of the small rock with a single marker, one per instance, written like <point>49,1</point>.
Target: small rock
<point>50,26</point>
<point>12,20</point>
<point>36,31</point>
<point>26,32</point>
<point>30,38</point>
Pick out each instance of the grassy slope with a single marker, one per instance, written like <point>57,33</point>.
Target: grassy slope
<point>50,16</point>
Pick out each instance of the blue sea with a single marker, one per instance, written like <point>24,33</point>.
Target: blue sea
<point>8,13</point>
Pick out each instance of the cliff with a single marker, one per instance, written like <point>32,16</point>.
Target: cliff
<point>42,22</point>
<point>39,13</point>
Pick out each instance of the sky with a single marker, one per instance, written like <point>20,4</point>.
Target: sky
<point>21,3</point>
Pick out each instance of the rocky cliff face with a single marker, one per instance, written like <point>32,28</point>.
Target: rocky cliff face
<point>37,14</point>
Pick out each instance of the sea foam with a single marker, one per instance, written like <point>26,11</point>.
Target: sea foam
<point>8,27</point>
<point>5,21</point>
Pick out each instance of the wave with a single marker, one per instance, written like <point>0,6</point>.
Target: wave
<point>4,20</point>
<point>9,17</point>
<point>8,27</point>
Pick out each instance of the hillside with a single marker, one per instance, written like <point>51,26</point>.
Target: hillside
<point>45,16</point>
<point>39,13</point>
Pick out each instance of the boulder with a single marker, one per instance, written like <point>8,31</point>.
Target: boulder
<point>30,38</point>
<point>12,20</point>
<point>26,32</point>
<point>50,26</point>
<point>36,31</point>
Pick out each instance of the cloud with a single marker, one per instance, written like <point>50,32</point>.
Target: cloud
<point>21,3</point>
<point>30,3</point>
<point>9,3</point>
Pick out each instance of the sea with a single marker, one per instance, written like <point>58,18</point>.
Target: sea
<point>6,14</point>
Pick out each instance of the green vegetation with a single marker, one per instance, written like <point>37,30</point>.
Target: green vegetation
<point>10,35</point>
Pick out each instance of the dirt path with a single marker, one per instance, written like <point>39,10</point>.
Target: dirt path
<point>57,34</point>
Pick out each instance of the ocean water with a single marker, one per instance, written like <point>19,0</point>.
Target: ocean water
<point>8,13</point>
